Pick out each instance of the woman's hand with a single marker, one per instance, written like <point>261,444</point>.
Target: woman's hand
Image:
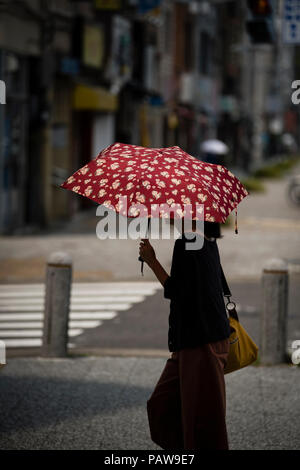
<point>148,255</point>
<point>146,251</point>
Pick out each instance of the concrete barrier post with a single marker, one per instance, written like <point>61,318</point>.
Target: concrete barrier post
<point>274,316</point>
<point>57,305</point>
<point>2,354</point>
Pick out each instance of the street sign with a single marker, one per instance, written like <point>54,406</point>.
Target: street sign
<point>291,22</point>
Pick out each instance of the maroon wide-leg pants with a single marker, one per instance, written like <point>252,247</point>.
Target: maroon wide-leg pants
<point>188,405</point>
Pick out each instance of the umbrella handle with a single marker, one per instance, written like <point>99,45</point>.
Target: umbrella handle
<point>142,265</point>
<point>140,258</point>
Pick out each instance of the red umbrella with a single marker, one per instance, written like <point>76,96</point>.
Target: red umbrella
<point>154,176</point>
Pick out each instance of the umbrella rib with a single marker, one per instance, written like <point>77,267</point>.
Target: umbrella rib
<point>140,177</point>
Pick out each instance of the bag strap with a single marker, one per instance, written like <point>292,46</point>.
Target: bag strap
<point>227,293</point>
<point>226,290</point>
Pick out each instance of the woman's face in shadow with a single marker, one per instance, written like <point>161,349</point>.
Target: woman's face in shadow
<point>187,226</point>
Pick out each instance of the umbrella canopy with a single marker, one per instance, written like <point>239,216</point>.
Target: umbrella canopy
<point>155,176</point>
<point>214,146</point>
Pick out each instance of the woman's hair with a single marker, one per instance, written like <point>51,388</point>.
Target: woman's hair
<point>211,229</point>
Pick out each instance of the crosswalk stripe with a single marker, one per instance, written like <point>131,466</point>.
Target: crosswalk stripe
<point>74,300</point>
<point>91,303</point>
<point>91,292</point>
<point>103,298</point>
<point>105,286</point>
<point>34,333</point>
<point>40,316</point>
<point>39,324</point>
<point>27,343</point>
<point>82,307</point>
<point>93,315</point>
<point>23,343</point>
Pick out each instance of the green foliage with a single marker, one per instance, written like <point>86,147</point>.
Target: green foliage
<point>268,172</point>
<point>276,170</point>
<point>228,222</point>
<point>253,185</point>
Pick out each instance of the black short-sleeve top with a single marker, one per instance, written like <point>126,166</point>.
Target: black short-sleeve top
<point>197,308</point>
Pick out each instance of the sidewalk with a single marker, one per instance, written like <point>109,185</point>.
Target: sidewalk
<point>100,403</point>
<point>269,226</point>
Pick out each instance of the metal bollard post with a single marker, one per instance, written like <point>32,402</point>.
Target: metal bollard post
<point>2,354</point>
<point>57,304</point>
<point>274,317</point>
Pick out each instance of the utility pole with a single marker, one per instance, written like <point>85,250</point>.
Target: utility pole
<point>262,55</point>
<point>284,67</point>
<point>2,149</point>
<point>47,97</point>
<point>259,25</point>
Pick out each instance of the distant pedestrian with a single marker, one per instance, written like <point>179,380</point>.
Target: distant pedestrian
<point>214,151</point>
<point>188,405</point>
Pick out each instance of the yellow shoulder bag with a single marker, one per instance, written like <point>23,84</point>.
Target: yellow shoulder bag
<point>242,350</point>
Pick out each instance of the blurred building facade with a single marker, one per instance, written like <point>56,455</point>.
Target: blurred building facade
<point>81,75</point>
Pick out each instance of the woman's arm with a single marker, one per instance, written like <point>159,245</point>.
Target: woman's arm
<point>159,271</point>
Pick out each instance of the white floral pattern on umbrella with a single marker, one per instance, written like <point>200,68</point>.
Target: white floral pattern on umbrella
<point>157,175</point>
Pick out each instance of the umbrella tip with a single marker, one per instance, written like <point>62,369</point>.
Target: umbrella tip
<point>235,224</point>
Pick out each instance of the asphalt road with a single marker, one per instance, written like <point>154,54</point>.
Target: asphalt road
<point>145,325</point>
<point>142,329</point>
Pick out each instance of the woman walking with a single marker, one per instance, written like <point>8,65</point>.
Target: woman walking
<point>187,408</point>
